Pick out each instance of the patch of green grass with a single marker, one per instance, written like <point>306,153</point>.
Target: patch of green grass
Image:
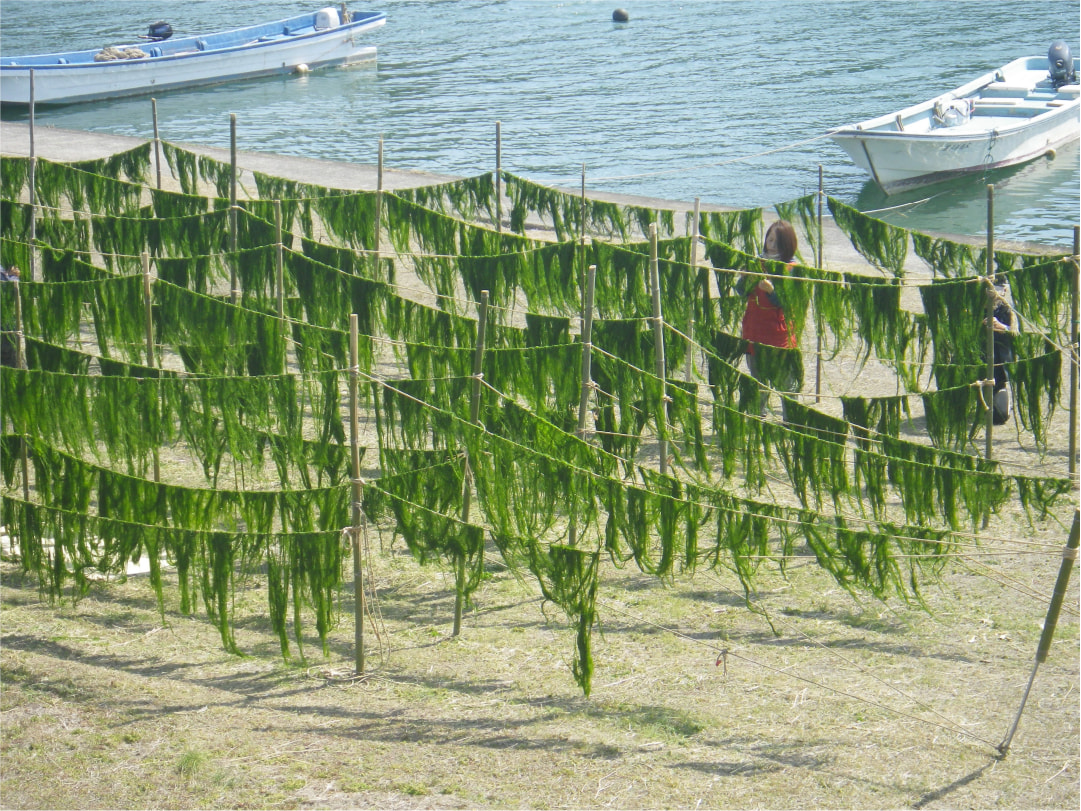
<point>190,764</point>
<point>413,790</point>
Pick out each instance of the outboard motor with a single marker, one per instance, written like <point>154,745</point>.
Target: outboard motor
<point>1060,62</point>
<point>159,31</point>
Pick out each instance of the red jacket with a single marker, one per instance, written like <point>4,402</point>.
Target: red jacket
<point>764,322</point>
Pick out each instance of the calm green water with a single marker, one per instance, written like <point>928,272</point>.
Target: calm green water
<point>722,100</point>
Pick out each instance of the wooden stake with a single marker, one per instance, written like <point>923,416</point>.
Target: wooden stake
<point>279,273</point>
<point>498,179</point>
<point>279,259</point>
<point>378,202</point>
<point>694,275</point>
<point>232,205</point>
<point>1069,555</point>
<point>658,348</point>
<point>818,321</point>
<point>149,307</point>
<point>358,493</point>
<point>990,312</point>
<point>151,359</point>
<point>1075,345</point>
<point>157,140</point>
<point>33,190</point>
<point>587,372</point>
<point>20,361</point>
<point>587,349</point>
<point>582,234</point>
<point>467,491</point>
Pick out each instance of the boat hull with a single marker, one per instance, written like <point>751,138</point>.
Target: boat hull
<point>912,148</point>
<point>194,61</point>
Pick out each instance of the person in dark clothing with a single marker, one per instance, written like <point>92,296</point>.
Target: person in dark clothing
<point>1002,323</point>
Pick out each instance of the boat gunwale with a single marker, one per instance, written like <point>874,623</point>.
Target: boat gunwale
<point>870,128</point>
<point>372,20</point>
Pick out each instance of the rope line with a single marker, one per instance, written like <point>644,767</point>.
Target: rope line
<point>949,725</point>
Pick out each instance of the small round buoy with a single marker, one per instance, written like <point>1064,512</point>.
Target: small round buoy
<point>303,68</point>
<point>1050,154</point>
<point>620,16</point>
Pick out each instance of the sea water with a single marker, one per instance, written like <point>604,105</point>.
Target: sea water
<point>727,101</point>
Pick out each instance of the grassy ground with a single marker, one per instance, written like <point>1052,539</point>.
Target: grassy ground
<point>849,704</point>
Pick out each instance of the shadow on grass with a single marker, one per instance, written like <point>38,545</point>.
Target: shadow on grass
<point>961,782</point>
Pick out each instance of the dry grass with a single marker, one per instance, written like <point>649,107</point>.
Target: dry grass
<point>849,705</point>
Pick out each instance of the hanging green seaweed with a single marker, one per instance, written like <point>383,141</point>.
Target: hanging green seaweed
<point>1041,296</point>
<point>814,454</point>
<point>741,229</point>
<point>870,419</point>
<point>569,577</point>
<point>883,245</point>
<point>463,199</point>
<point>132,165</point>
<point>14,178</point>
<point>421,503</point>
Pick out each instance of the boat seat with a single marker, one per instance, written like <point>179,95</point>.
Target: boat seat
<point>1002,89</point>
<point>200,44</point>
<point>1069,91</point>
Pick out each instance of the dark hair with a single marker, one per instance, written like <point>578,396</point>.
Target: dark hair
<point>785,236</point>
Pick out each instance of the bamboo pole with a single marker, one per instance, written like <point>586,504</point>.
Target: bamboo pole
<point>467,485</point>
<point>20,361</point>
<point>582,234</point>
<point>694,276</point>
<point>149,309</point>
<point>498,179</point>
<point>989,386</point>
<point>20,344</point>
<point>658,348</point>
<point>1069,555</point>
<point>1075,345</point>
<point>279,258</point>
<point>358,493</point>
<point>232,205</point>
<point>818,320</point>
<point>32,270</point>
<point>151,359</point>
<point>378,201</point>
<point>587,372</point>
<point>279,273</point>
<point>157,140</point>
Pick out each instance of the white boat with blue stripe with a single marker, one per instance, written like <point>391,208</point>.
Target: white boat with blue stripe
<point>329,37</point>
<point>1025,110</point>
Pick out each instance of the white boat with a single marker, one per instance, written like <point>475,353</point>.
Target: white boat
<point>1020,112</point>
<point>323,38</point>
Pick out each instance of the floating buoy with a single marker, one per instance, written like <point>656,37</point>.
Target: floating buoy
<point>1049,154</point>
<point>303,68</point>
<point>620,16</point>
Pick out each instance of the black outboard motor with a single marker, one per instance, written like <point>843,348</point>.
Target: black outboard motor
<point>1060,61</point>
<point>159,31</point>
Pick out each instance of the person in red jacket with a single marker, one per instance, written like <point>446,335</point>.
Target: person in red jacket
<point>764,320</point>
